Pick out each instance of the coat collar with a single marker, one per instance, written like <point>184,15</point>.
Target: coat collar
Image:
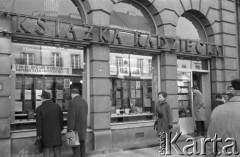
<point>236,98</point>
<point>162,103</point>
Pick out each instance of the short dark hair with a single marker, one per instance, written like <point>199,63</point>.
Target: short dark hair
<point>164,94</point>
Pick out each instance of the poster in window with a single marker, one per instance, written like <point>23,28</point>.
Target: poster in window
<point>17,94</point>
<point>18,106</point>
<point>66,83</point>
<point>138,84</point>
<point>37,93</point>
<point>59,94</point>
<point>28,94</point>
<point>138,93</point>
<point>133,95</point>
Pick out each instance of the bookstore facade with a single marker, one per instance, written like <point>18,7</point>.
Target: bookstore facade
<point>118,58</point>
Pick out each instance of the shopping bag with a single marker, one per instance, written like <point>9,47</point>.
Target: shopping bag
<point>72,139</point>
<point>38,146</point>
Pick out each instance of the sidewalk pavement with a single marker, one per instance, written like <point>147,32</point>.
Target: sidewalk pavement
<point>151,151</point>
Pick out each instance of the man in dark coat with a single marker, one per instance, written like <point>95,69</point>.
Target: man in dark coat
<point>77,120</point>
<point>49,119</point>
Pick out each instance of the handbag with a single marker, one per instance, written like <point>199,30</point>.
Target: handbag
<point>72,139</point>
<point>38,146</point>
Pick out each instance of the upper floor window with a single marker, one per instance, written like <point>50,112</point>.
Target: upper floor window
<point>28,58</point>
<point>75,61</point>
<point>56,59</point>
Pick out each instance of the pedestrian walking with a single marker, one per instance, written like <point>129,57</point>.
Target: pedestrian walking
<point>77,120</point>
<point>199,111</point>
<point>224,123</point>
<point>49,121</point>
<point>163,114</point>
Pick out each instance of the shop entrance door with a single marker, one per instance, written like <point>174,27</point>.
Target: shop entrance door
<point>186,80</point>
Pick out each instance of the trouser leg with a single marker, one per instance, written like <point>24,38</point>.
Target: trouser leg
<point>82,148</point>
<point>57,151</point>
<point>202,128</point>
<point>76,151</point>
<point>46,152</point>
<point>198,126</point>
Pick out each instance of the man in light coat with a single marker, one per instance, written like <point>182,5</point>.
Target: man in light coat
<point>199,110</point>
<point>77,120</point>
<point>224,124</point>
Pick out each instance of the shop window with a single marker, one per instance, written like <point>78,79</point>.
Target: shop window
<point>51,72</point>
<point>131,88</point>
<point>28,58</point>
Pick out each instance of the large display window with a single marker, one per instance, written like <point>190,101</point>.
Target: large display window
<point>131,87</point>
<point>43,68</point>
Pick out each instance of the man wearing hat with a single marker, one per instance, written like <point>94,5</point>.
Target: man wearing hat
<point>77,120</point>
<point>224,122</point>
<point>49,120</point>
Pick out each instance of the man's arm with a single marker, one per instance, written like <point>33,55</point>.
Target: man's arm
<point>71,116</point>
<point>39,123</point>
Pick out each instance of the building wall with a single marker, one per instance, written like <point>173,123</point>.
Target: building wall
<point>218,19</point>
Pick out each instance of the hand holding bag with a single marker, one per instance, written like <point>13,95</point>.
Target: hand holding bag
<point>72,139</point>
<point>38,146</point>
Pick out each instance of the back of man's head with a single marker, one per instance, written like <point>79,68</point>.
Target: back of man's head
<point>236,84</point>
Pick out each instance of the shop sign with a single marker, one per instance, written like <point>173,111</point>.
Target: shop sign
<point>38,69</point>
<point>56,29</point>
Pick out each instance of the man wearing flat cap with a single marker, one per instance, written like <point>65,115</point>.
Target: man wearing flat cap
<point>224,122</point>
<point>77,120</point>
<point>49,121</point>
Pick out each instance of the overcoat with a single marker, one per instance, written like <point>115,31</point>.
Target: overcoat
<point>224,124</point>
<point>77,116</point>
<point>49,121</point>
<point>163,124</point>
<point>198,106</point>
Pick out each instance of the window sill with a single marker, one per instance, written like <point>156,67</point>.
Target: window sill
<point>136,124</point>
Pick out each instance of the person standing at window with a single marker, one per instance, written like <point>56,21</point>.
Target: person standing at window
<point>199,111</point>
<point>77,120</point>
<point>49,121</point>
